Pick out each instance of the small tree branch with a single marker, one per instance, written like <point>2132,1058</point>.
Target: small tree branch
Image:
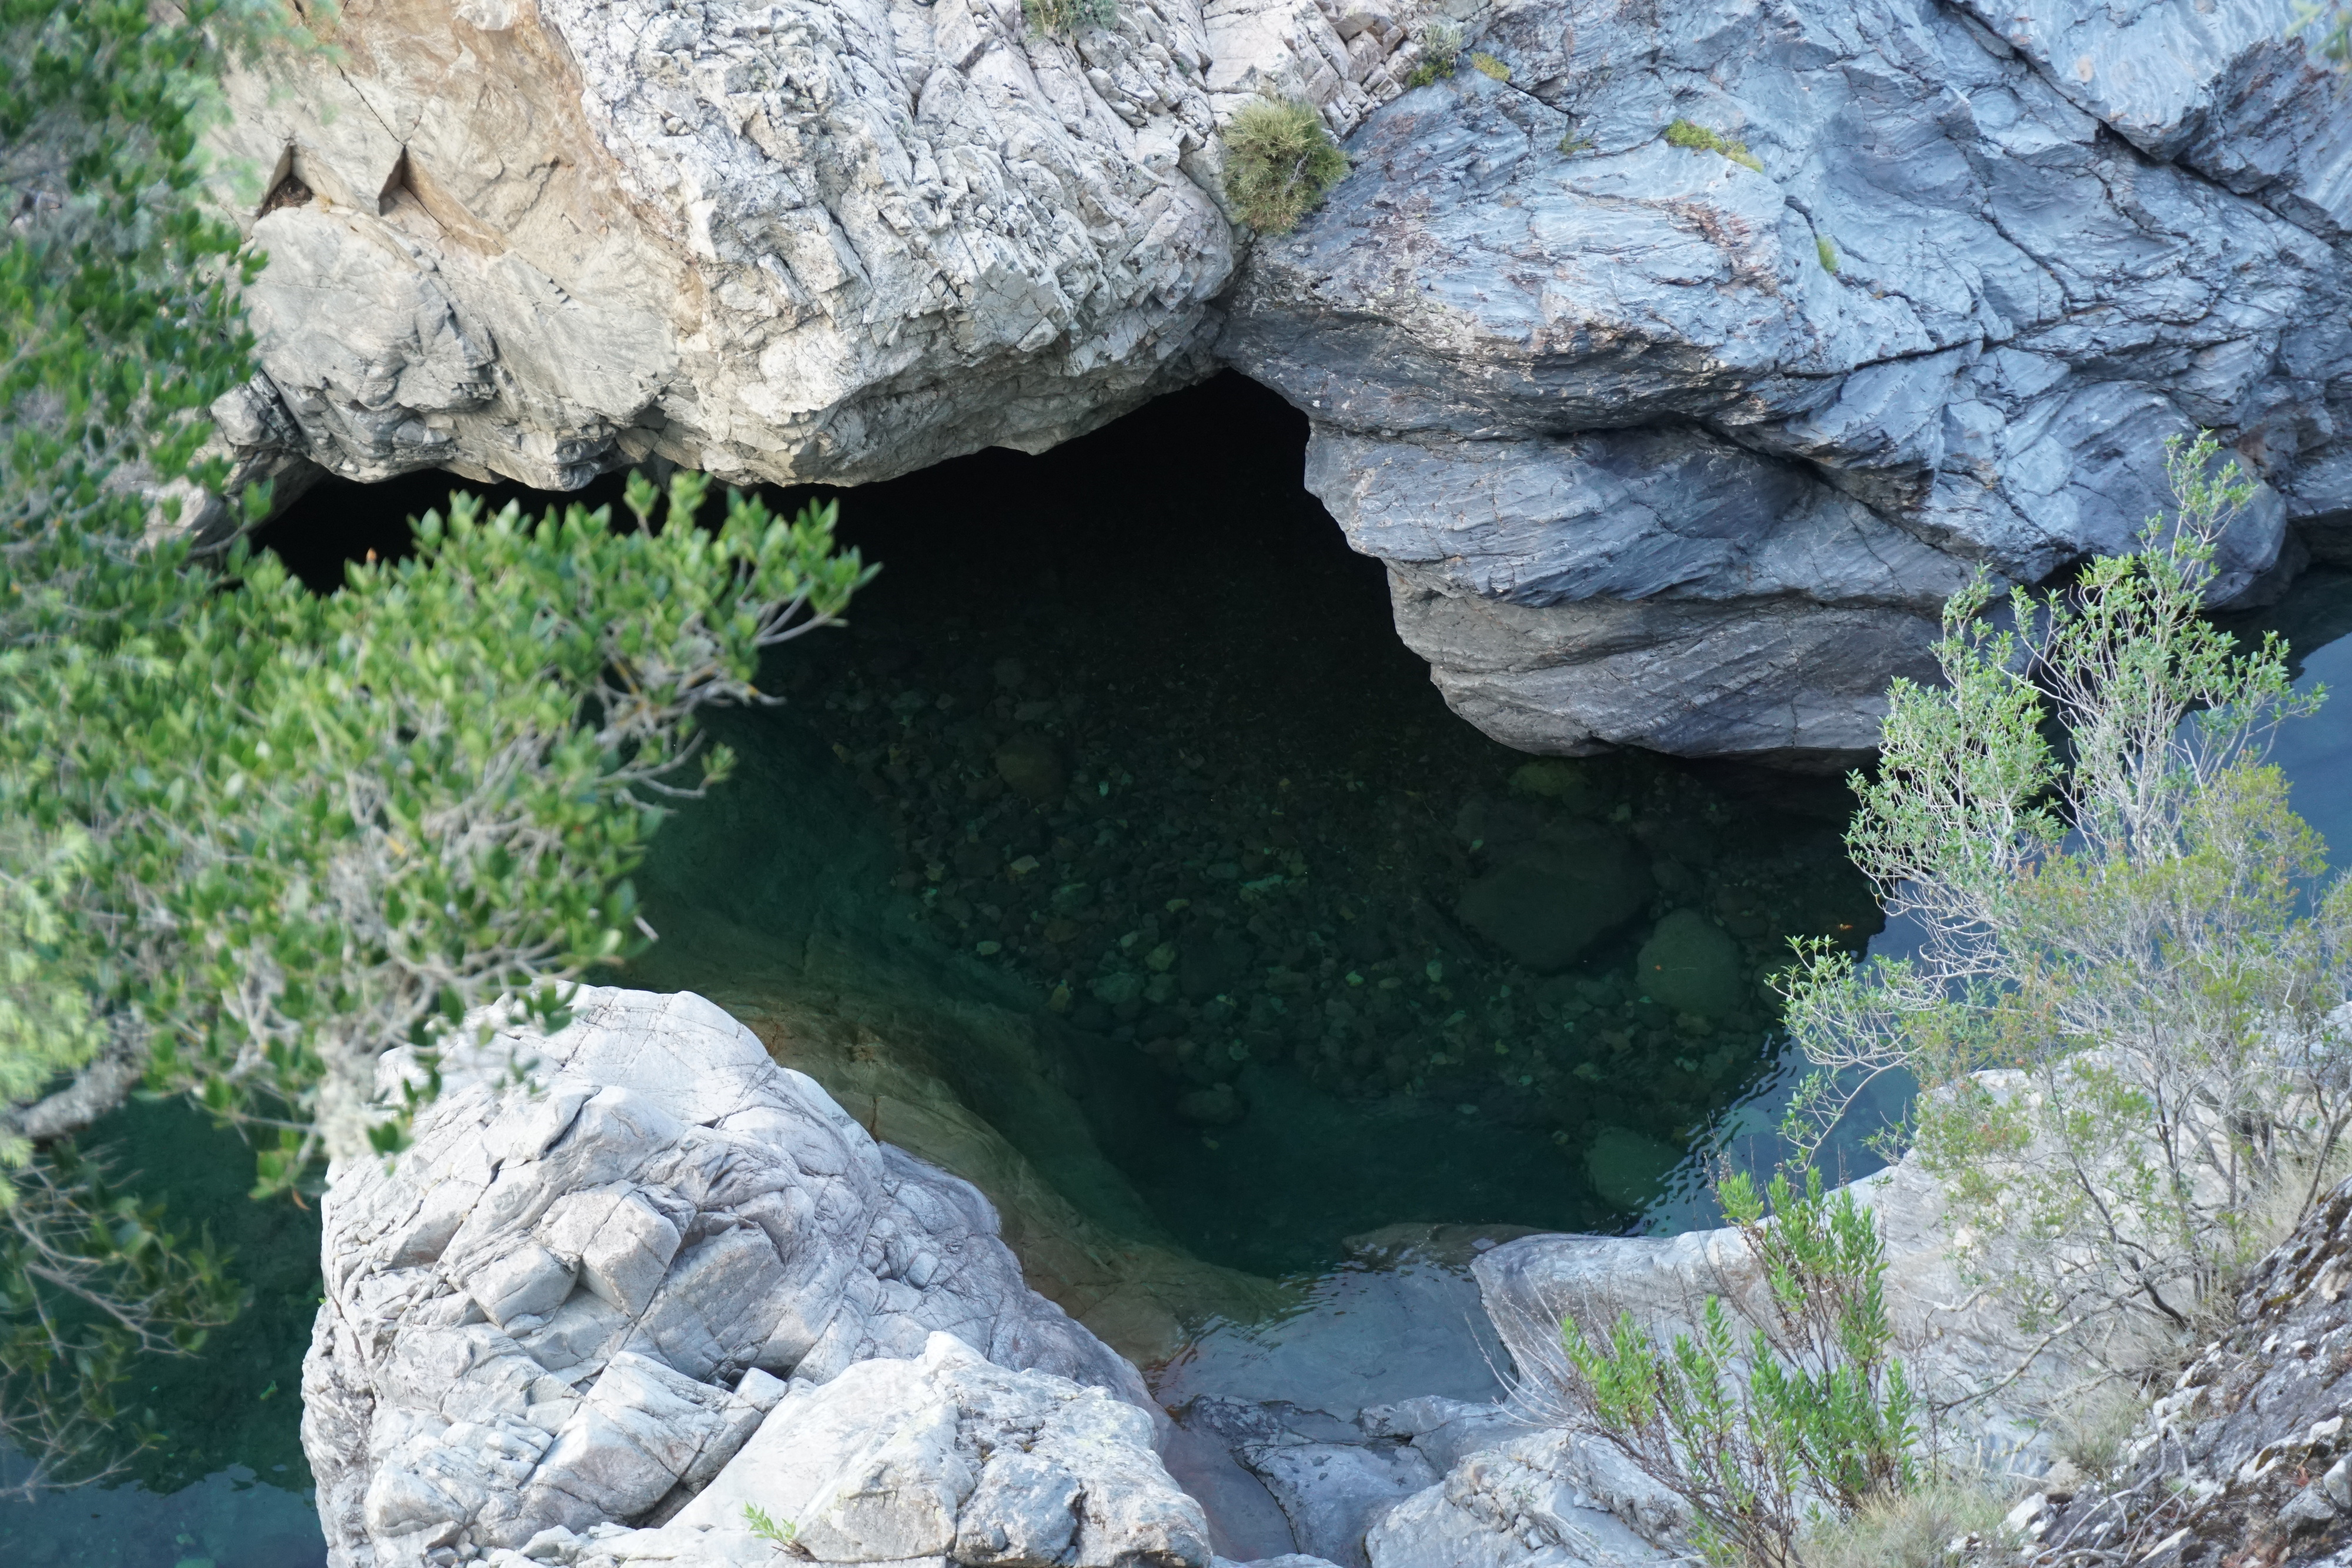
<point>100,1086</point>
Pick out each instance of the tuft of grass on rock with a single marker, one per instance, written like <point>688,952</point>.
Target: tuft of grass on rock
<point>1489,65</point>
<point>1062,18</point>
<point>1280,162</point>
<point>1827,252</point>
<point>1918,1529</point>
<point>1441,43</point>
<point>1697,138</point>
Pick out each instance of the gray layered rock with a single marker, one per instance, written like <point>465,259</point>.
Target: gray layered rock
<point>940,1459</point>
<point>1683,447</point>
<point>582,1299</point>
<point>821,239</point>
<point>2249,1449</point>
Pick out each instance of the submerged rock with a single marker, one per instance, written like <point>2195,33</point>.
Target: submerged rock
<point>1627,1168</point>
<point>1033,769</point>
<point>1556,897</point>
<point>575,1300</point>
<point>1691,965</point>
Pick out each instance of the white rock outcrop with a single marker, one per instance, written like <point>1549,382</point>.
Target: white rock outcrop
<point>582,1301</point>
<point>1668,444</point>
<point>818,239</point>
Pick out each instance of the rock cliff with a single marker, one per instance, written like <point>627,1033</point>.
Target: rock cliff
<point>1679,359</point>
<point>541,238</point>
<point>1681,376</point>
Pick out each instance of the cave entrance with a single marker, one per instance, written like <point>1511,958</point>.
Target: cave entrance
<point>1123,740</point>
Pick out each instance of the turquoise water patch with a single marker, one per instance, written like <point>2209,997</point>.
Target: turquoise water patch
<point>227,1482</point>
<point>1136,738</point>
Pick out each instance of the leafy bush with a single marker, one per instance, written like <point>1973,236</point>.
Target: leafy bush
<point>1062,18</point>
<point>2124,919</point>
<point>1697,138</point>
<point>1810,1412</point>
<point>250,837</point>
<point>1279,162</point>
<point>1440,46</point>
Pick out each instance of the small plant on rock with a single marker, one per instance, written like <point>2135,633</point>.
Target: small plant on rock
<point>1489,65</point>
<point>1806,1417</point>
<point>1696,138</point>
<point>1279,163</point>
<point>783,1534</point>
<point>1827,252</point>
<point>1062,18</point>
<point>1441,44</point>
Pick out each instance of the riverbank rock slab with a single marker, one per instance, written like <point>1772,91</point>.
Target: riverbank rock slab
<point>610,1256</point>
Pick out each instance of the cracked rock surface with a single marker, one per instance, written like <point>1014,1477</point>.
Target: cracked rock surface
<point>1679,446</point>
<point>586,1302</point>
<point>2246,1459</point>
<point>1683,447</point>
<point>816,239</point>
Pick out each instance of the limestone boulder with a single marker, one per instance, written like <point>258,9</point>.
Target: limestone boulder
<point>816,239</point>
<point>1681,441</point>
<point>614,1254</point>
<point>940,1459</point>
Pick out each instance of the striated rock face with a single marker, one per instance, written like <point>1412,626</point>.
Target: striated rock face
<point>1671,443</point>
<point>827,239</point>
<point>576,1302</point>
<point>2246,1458</point>
<point>1683,448</point>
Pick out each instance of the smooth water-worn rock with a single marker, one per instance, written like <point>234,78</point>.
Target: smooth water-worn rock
<point>1682,446</point>
<point>577,1297</point>
<point>822,239</point>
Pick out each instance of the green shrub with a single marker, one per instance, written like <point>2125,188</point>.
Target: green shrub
<point>2117,904</point>
<point>1062,18</point>
<point>252,836</point>
<point>1279,162</point>
<point>1441,45</point>
<point>1696,138</point>
<point>1758,1434</point>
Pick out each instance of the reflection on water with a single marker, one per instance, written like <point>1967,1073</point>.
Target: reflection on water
<point>226,1485</point>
